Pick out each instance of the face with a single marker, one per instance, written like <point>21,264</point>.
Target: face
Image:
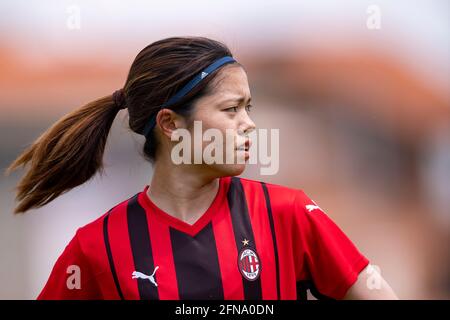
<point>226,110</point>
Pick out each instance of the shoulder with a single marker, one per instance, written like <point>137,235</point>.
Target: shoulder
<point>92,234</point>
<point>281,198</point>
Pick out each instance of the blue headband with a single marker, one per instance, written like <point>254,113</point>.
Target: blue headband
<point>188,87</point>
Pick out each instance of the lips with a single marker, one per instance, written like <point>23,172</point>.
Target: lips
<point>245,146</point>
<point>248,143</point>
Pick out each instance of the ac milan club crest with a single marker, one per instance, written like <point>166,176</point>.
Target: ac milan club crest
<point>249,264</point>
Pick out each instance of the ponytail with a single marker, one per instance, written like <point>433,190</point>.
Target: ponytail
<point>65,156</point>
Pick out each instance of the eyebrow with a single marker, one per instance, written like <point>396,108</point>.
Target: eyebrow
<point>238,100</point>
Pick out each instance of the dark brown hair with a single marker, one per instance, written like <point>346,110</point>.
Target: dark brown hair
<point>71,151</point>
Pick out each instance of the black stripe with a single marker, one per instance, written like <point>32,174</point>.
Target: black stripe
<point>302,290</point>
<point>110,257</point>
<point>197,265</point>
<point>317,294</point>
<point>304,285</point>
<point>243,229</point>
<point>274,239</point>
<point>141,248</point>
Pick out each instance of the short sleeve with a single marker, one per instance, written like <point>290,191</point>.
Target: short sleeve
<point>71,277</point>
<point>328,257</point>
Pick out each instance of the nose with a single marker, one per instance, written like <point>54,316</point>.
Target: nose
<point>247,124</point>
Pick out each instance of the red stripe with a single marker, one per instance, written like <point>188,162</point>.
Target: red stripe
<point>121,251</point>
<point>261,230</point>
<point>92,242</point>
<point>165,276</point>
<point>282,200</point>
<point>227,252</point>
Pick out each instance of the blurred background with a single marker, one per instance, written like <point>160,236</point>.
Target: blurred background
<point>359,90</point>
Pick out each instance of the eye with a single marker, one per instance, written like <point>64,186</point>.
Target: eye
<point>232,109</point>
<point>248,108</point>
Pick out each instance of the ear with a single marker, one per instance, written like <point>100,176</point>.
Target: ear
<point>169,121</point>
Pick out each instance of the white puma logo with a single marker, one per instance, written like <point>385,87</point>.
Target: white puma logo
<point>312,207</point>
<point>140,275</point>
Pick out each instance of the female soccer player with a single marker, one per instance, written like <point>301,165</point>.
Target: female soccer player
<point>196,231</point>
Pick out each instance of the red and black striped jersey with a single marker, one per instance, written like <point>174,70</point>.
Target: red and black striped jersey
<point>256,241</point>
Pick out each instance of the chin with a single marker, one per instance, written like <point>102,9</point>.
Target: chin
<point>226,170</point>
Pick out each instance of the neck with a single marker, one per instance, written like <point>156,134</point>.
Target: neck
<point>182,191</point>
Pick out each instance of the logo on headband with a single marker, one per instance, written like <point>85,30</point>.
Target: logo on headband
<point>204,74</point>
